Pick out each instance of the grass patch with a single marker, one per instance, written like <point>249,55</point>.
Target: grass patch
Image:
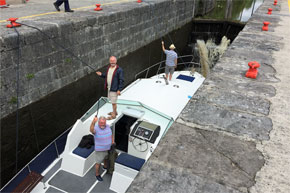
<point>29,76</point>
<point>68,60</point>
<point>13,100</point>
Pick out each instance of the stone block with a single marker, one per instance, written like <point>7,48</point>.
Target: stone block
<point>232,100</point>
<point>9,59</point>
<point>238,86</point>
<point>221,118</point>
<point>193,160</point>
<point>65,27</point>
<point>10,41</point>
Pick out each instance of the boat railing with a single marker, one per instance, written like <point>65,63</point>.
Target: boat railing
<point>161,65</point>
<point>94,108</point>
<point>185,64</point>
<point>40,162</point>
<point>104,100</point>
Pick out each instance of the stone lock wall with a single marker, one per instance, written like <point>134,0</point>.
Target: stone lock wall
<point>117,30</point>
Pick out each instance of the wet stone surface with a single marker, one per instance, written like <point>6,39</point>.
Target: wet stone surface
<point>193,160</point>
<point>260,37</point>
<point>231,100</point>
<point>236,64</point>
<point>232,121</point>
<point>265,46</point>
<point>239,86</point>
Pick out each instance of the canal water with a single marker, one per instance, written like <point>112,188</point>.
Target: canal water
<point>42,121</point>
<point>237,10</point>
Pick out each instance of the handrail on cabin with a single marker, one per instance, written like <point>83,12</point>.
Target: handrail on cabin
<point>160,67</point>
<point>27,165</point>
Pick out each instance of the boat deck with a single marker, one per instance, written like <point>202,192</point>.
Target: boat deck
<point>62,181</point>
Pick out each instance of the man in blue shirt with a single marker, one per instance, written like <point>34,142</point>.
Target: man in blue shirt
<point>171,60</point>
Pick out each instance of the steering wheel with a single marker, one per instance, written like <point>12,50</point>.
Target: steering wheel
<point>140,145</point>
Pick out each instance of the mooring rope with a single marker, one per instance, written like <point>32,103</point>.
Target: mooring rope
<point>78,58</point>
<point>17,98</point>
<point>17,84</point>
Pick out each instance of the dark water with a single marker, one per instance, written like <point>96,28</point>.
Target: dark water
<point>240,10</point>
<point>42,121</point>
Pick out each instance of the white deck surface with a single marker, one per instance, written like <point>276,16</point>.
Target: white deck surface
<point>167,99</point>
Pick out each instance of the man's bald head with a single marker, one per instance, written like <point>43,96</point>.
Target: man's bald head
<point>102,122</point>
<point>113,60</point>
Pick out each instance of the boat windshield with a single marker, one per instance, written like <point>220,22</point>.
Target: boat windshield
<point>103,100</point>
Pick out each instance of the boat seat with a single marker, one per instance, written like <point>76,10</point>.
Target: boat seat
<point>130,161</point>
<point>185,77</point>
<point>126,169</point>
<point>84,158</point>
<point>29,182</point>
<point>83,152</point>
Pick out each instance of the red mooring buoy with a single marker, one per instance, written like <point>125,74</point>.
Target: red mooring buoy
<point>270,11</point>
<point>3,4</point>
<point>98,7</point>
<point>253,71</point>
<point>265,27</point>
<point>13,23</point>
<point>275,2</point>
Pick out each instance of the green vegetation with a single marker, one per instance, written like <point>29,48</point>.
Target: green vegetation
<point>13,100</point>
<point>68,60</point>
<point>29,76</point>
<point>233,11</point>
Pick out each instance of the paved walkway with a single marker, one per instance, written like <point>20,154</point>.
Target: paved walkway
<point>275,175</point>
<point>234,135</point>
<point>44,8</point>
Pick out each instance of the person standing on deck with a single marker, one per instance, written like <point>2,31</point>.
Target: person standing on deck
<point>66,5</point>
<point>114,81</point>
<point>103,141</point>
<point>171,60</point>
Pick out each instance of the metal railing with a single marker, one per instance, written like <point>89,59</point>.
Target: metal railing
<point>161,65</point>
<point>38,164</point>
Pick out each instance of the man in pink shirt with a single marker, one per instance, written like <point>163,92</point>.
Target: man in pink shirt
<point>103,141</point>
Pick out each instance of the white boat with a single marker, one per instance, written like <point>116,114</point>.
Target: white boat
<point>146,110</point>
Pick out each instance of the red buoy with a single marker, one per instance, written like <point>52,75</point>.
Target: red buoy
<point>265,27</point>
<point>98,7</point>
<point>3,4</point>
<point>253,71</point>
<point>13,23</point>
<point>275,2</point>
<point>270,11</point>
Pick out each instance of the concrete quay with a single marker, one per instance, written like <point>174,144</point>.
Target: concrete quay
<point>234,135</point>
